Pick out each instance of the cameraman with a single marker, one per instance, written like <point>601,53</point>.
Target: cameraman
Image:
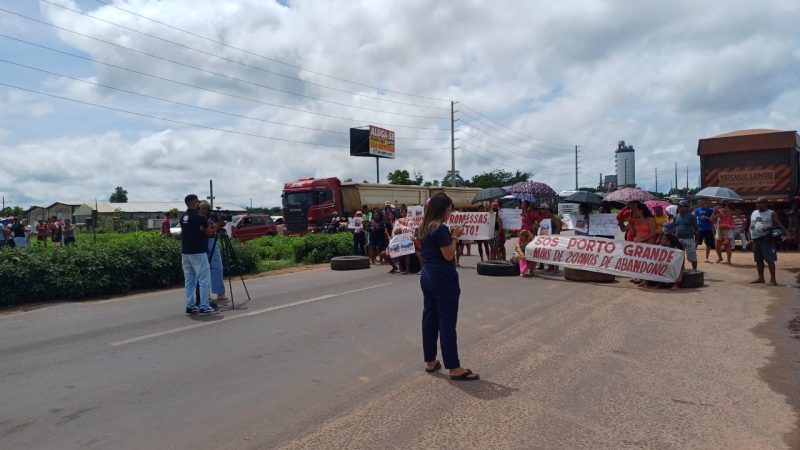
<point>194,257</point>
<point>216,228</point>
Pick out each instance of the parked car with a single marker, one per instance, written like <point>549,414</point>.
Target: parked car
<point>252,226</point>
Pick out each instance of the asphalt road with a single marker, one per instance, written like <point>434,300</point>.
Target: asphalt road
<point>323,359</point>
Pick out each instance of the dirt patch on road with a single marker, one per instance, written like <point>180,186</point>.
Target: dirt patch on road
<point>782,372</point>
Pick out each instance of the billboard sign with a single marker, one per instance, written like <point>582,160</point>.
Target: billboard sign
<point>375,142</point>
<point>381,142</point>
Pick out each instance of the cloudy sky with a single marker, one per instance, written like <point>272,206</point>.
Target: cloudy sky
<point>161,96</point>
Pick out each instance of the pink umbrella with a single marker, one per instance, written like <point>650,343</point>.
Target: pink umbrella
<point>651,205</point>
<point>626,195</point>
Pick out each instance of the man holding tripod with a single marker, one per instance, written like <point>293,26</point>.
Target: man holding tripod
<point>194,257</point>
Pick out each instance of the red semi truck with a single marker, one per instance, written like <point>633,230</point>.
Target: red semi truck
<point>310,203</point>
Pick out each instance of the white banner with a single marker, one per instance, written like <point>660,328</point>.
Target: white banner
<point>511,217</point>
<point>414,211</point>
<point>401,245</point>
<point>566,223</point>
<point>599,224</point>
<point>478,226</point>
<point>623,258</point>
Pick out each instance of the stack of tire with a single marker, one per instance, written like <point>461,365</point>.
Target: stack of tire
<point>349,263</point>
<point>498,268</point>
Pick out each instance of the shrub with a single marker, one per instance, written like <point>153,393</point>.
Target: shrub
<point>119,263</point>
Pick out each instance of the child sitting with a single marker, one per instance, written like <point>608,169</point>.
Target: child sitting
<point>525,270</point>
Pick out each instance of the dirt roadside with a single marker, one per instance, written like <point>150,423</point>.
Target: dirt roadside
<point>782,372</point>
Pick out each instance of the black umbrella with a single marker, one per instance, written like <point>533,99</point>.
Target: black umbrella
<point>488,194</point>
<point>586,198</point>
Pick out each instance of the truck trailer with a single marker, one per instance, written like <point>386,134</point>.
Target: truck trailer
<point>756,163</point>
<point>310,203</point>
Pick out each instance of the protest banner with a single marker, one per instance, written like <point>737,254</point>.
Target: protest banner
<point>603,225</point>
<point>401,244</point>
<point>511,217</point>
<point>477,226</point>
<point>414,211</point>
<point>566,223</point>
<point>355,223</point>
<point>595,254</point>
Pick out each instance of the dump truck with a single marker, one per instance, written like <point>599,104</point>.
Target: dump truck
<point>310,203</point>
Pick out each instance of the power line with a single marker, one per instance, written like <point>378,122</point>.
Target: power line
<point>511,129</point>
<point>217,74</point>
<point>348,119</point>
<point>266,57</point>
<point>259,68</point>
<point>477,121</point>
<point>165,119</point>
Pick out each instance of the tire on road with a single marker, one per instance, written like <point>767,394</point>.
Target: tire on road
<point>692,279</point>
<point>498,268</point>
<point>349,263</point>
<point>587,276</point>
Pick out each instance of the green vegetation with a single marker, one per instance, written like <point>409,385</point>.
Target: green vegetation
<point>118,263</point>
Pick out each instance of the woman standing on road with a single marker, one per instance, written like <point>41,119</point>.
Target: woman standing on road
<point>440,289</point>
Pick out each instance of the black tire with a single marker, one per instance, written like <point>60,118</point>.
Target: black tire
<point>498,268</point>
<point>349,263</point>
<point>587,276</point>
<point>692,279</point>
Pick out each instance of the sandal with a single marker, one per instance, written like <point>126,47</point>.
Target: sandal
<point>466,376</point>
<point>436,367</point>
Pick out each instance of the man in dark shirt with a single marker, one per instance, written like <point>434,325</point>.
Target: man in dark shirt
<point>194,258</point>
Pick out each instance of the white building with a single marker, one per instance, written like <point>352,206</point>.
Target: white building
<point>625,159</point>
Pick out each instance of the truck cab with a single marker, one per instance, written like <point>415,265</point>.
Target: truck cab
<point>309,203</point>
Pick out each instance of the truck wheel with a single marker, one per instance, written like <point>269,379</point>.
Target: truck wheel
<point>498,268</point>
<point>692,279</point>
<point>349,263</point>
<point>588,276</point>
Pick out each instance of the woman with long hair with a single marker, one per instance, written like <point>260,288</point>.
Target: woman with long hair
<point>440,288</point>
<point>641,223</point>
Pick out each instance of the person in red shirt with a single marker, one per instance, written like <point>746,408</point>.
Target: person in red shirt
<point>165,226</point>
<point>42,230</point>
<point>622,217</point>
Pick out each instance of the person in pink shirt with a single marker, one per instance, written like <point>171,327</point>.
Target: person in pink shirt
<point>165,226</point>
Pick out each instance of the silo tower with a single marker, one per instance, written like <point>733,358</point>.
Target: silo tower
<point>625,158</point>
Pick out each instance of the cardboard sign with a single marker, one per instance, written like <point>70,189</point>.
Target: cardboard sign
<point>511,217</point>
<point>478,226</point>
<point>355,223</point>
<point>401,244</point>
<point>414,211</point>
<point>566,223</point>
<point>622,258</point>
<point>595,224</point>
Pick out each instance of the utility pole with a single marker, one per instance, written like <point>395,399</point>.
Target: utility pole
<point>676,178</point>
<point>211,192</point>
<point>600,186</point>
<point>656,179</point>
<point>687,180</point>
<point>452,143</point>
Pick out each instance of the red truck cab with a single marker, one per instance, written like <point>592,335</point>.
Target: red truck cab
<point>309,203</point>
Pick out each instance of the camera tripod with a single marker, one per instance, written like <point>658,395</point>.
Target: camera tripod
<point>230,262</point>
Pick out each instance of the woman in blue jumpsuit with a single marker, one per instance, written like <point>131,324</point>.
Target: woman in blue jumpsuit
<point>440,289</point>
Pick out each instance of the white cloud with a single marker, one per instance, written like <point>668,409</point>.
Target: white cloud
<point>659,75</point>
<point>20,103</point>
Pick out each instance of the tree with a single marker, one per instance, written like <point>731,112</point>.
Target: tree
<point>448,179</point>
<point>404,178</point>
<point>120,195</point>
<point>9,211</point>
<point>174,213</point>
<point>497,178</point>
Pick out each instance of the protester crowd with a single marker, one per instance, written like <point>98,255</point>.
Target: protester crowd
<point>18,233</point>
<point>719,226</point>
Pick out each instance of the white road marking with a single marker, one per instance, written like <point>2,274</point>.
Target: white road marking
<point>243,315</point>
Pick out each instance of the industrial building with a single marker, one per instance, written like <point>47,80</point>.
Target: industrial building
<point>625,161</point>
